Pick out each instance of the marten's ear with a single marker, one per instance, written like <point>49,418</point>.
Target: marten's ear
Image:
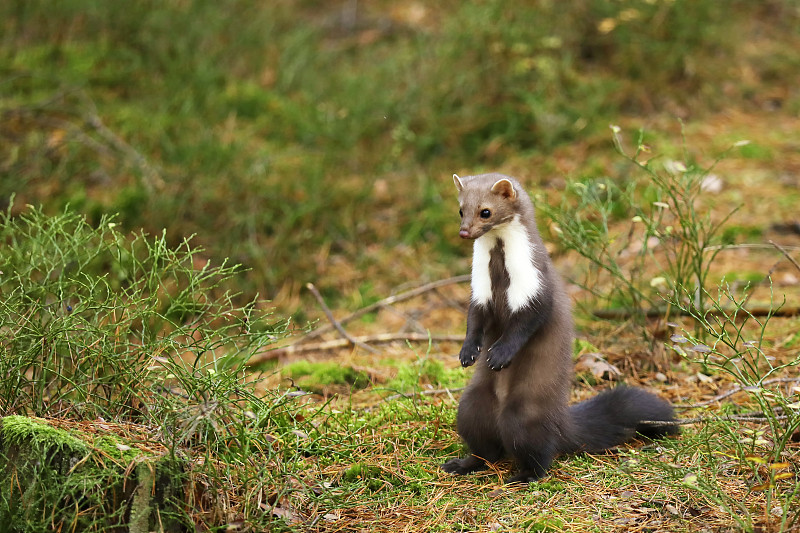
<point>458,182</point>
<point>505,189</point>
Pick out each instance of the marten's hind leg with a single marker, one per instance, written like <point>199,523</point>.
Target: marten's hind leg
<point>477,425</point>
<point>531,439</point>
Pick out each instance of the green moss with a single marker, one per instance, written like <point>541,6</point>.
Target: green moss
<point>372,476</point>
<point>39,436</point>
<point>544,524</point>
<point>551,485</point>
<point>315,376</point>
<point>756,151</point>
<point>734,233</point>
<point>425,371</point>
<point>51,479</point>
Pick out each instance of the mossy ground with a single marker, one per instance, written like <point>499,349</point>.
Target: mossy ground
<point>49,471</point>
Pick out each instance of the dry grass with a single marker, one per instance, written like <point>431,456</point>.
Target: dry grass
<point>641,487</point>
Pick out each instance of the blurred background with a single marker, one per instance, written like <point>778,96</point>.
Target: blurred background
<point>314,141</point>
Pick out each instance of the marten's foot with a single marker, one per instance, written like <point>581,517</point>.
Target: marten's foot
<point>463,466</point>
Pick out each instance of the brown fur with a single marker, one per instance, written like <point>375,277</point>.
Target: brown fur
<point>523,411</point>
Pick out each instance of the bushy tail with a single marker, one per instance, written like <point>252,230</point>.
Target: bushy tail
<point>614,417</point>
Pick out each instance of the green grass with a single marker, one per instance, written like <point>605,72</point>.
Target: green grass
<point>104,324</point>
<point>306,148</point>
<point>99,325</point>
<point>265,129</point>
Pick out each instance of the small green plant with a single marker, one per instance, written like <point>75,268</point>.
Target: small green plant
<point>736,347</point>
<point>655,218</point>
<point>98,325</point>
<point>651,241</point>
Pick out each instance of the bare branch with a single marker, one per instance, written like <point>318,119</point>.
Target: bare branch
<point>311,287</point>
<point>422,289</point>
<point>733,391</point>
<point>424,393</point>
<point>785,254</point>
<point>343,343</point>
<point>624,313</point>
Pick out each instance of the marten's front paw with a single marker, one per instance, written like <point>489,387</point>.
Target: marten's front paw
<point>499,356</point>
<point>469,353</point>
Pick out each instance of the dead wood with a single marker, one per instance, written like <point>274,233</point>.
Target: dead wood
<point>343,343</point>
<point>658,312</point>
<point>338,326</point>
<point>391,300</point>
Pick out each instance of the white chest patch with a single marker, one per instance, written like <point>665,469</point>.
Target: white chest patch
<point>524,277</point>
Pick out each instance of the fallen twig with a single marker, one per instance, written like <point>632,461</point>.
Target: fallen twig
<point>431,392</point>
<point>422,289</point>
<point>782,250</point>
<point>759,416</point>
<point>619,314</point>
<point>733,391</point>
<point>343,343</point>
<point>150,176</point>
<point>334,323</point>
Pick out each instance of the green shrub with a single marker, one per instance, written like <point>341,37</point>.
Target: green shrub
<point>98,325</point>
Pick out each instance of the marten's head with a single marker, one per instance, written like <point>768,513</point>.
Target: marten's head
<point>486,201</point>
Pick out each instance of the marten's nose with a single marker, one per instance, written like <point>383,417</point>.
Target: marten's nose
<point>464,234</point>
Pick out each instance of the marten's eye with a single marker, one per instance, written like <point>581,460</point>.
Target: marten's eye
<point>486,213</point>
<point>461,213</point>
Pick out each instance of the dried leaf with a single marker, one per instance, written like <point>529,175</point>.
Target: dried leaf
<point>671,509</point>
<point>235,525</point>
<point>272,438</point>
<point>705,379</point>
<point>599,367</point>
<point>282,512</point>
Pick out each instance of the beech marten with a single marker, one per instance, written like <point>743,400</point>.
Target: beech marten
<point>520,332</point>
